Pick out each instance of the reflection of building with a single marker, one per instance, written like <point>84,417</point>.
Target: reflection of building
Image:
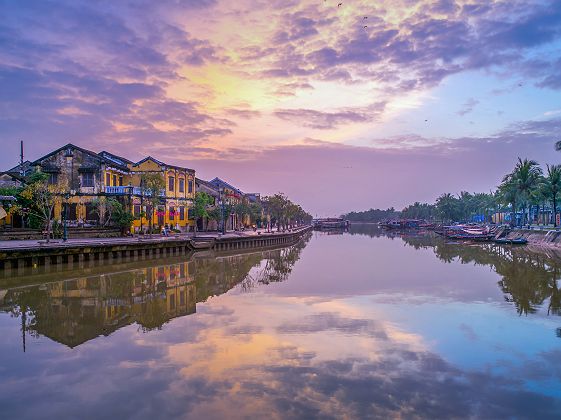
<point>75,311</point>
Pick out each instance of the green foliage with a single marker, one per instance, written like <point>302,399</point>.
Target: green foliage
<point>121,217</point>
<point>200,205</point>
<point>372,215</point>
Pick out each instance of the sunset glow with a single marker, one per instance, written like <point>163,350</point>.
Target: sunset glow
<point>291,95</point>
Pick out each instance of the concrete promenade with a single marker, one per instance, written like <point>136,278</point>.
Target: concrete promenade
<point>156,238</point>
<point>18,257</point>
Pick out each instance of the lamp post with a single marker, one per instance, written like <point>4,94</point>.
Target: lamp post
<point>222,210</point>
<point>65,217</point>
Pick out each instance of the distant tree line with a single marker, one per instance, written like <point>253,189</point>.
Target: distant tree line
<point>528,190</point>
<point>372,215</point>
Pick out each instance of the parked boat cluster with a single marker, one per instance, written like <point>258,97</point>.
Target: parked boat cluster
<point>460,232</point>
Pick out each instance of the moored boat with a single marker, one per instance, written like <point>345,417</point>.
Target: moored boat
<point>515,241</point>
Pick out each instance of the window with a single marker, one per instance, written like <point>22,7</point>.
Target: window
<point>87,179</point>
<point>190,187</point>
<point>53,178</point>
<point>136,210</point>
<point>114,180</point>
<point>107,180</point>
<point>181,185</point>
<point>171,183</point>
<point>120,181</point>
<point>181,213</point>
<point>172,213</point>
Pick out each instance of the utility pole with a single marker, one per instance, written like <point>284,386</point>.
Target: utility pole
<point>21,171</point>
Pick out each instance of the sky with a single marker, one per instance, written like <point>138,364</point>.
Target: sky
<point>367,104</point>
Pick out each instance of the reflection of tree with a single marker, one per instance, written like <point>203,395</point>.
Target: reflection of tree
<point>528,279</point>
<point>278,265</point>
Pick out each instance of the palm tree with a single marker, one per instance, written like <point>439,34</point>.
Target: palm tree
<point>447,206</point>
<point>552,187</point>
<point>508,194</point>
<point>526,177</point>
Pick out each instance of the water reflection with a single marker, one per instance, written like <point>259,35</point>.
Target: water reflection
<point>359,325</point>
<point>529,280</point>
<point>74,311</point>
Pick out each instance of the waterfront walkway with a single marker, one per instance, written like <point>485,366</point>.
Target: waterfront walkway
<point>34,243</point>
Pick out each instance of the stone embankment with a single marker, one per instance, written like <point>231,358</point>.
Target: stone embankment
<point>548,241</point>
<point>22,257</point>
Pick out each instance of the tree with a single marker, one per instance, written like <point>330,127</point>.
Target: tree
<point>508,194</point>
<point>121,217</point>
<point>552,187</point>
<point>151,185</point>
<point>526,177</point>
<point>200,207</point>
<point>276,206</point>
<point>103,209</point>
<point>43,198</point>
<point>240,210</point>
<point>447,207</point>
<point>255,211</point>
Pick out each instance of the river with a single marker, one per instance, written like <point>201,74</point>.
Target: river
<point>361,324</point>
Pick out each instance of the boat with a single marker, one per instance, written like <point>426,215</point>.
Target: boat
<point>515,241</point>
<point>467,233</point>
<point>331,223</point>
<point>402,224</point>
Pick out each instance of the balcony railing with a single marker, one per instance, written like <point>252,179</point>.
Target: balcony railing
<point>126,190</point>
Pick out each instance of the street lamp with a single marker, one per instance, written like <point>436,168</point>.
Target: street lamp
<point>222,210</point>
<point>65,217</point>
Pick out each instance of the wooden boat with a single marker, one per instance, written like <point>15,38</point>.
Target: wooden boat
<point>515,241</point>
<point>330,223</point>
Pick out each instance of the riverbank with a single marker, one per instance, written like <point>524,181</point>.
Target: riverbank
<point>544,241</point>
<point>21,256</point>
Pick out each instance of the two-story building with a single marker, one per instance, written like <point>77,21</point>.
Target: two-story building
<point>176,197</point>
<point>230,196</point>
<point>213,192</point>
<point>85,176</point>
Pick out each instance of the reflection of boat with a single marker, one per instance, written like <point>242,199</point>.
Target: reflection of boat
<point>515,241</point>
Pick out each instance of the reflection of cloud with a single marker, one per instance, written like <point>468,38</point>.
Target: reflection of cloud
<point>226,362</point>
<point>468,332</point>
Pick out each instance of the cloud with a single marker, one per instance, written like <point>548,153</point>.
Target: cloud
<point>468,106</point>
<point>328,120</point>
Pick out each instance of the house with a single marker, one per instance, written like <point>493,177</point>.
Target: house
<point>212,191</point>
<point>83,177</point>
<point>230,196</point>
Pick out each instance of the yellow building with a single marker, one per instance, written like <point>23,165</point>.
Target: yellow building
<point>86,179</point>
<point>176,198</point>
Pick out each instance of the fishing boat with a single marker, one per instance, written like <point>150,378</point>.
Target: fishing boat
<point>467,233</point>
<point>331,223</point>
<point>402,224</point>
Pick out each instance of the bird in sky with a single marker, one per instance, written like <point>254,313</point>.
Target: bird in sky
<point>340,4</point>
<point>365,17</point>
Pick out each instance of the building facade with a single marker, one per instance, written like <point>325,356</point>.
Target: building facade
<point>86,179</point>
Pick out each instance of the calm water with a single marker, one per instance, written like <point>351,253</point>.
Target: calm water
<point>355,325</point>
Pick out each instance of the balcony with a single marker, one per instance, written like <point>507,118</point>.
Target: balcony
<point>123,190</point>
<point>129,190</point>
